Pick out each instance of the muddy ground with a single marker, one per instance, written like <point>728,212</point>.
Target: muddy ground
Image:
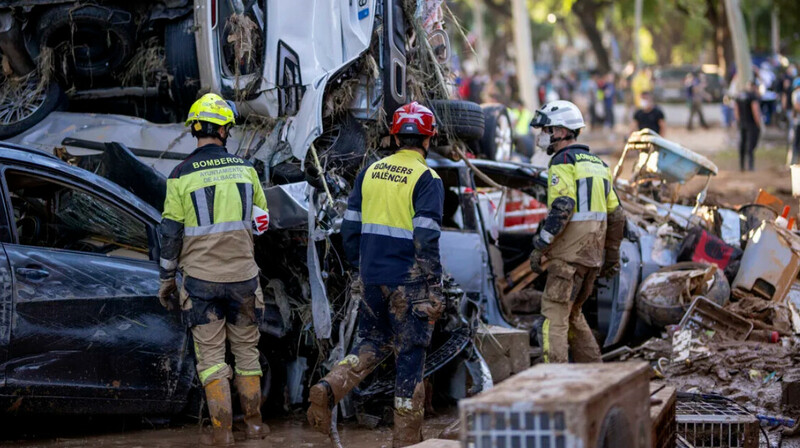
<point>117,432</point>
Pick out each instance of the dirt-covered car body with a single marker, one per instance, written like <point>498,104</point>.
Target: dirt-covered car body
<point>81,329</point>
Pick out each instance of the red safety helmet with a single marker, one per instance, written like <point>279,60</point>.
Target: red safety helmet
<point>413,119</point>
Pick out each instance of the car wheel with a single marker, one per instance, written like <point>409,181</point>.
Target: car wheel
<point>96,40</point>
<point>462,120</point>
<point>25,102</point>
<point>180,50</point>
<point>497,142</point>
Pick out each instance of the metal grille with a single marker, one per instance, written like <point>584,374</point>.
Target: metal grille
<point>712,423</point>
<point>507,428</point>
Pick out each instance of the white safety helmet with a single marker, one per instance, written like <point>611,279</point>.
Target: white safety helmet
<point>559,113</point>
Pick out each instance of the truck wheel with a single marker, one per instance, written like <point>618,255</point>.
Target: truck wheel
<point>462,120</point>
<point>23,103</point>
<point>180,51</point>
<point>496,143</point>
<point>96,39</point>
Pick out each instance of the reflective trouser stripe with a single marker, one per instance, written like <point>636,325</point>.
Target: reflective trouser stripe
<point>546,340</point>
<point>241,372</point>
<point>204,374</point>
<point>394,232</point>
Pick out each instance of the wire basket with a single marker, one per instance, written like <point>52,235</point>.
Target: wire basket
<point>707,421</point>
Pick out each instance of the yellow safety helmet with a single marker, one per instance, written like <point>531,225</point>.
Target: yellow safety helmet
<point>211,108</point>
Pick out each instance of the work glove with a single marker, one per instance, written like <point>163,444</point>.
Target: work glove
<point>168,293</point>
<point>432,305</point>
<point>610,269</point>
<point>537,261</point>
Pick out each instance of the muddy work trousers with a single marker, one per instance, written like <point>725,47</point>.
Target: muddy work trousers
<point>388,321</point>
<point>217,312</point>
<point>564,328</point>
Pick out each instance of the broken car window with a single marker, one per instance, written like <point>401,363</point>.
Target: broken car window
<point>50,214</point>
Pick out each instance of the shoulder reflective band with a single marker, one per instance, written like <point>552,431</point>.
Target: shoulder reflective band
<point>394,232</point>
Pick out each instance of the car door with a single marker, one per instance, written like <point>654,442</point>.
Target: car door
<point>86,319</point>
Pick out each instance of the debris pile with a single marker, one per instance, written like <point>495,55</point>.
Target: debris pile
<point>718,289</point>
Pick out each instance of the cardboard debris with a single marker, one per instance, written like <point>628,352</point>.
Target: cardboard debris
<point>506,350</point>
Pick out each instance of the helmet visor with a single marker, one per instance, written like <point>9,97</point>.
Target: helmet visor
<point>540,120</point>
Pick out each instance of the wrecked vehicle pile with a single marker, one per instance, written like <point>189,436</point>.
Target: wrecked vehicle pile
<point>708,295</point>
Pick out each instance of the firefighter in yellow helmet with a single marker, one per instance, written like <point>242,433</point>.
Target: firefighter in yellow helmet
<point>206,234</point>
<point>580,237</point>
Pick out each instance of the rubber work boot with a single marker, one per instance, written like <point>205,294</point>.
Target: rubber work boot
<point>337,383</point>
<point>218,395</point>
<point>249,388</point>
<point>408,416</point>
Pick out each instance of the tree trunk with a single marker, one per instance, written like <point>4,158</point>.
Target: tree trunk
<point>587,12</point>
<point>723,43</point>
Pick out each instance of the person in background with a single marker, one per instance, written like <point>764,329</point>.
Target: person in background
<point>748,115</point>
<point>642,82</point>
<point>609,95</point>
<point>696,94</point>
<point>649,116</point>
<point>795,119</point>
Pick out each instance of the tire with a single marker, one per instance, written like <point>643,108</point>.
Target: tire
<point>38,107</point>
<point>463,120</point>
<point>497,140</point>
<point>662,315</point>
<point>95,39</point>
<point>180,51</point>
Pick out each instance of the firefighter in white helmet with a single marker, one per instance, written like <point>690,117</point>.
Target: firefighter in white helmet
<point>584,221</point>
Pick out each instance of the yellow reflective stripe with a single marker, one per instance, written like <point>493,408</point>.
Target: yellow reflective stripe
<point>210,371</point>
<point>546,340</point>
<point>241,372</point>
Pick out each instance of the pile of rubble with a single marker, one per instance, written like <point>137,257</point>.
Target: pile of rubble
<point>724,305</point>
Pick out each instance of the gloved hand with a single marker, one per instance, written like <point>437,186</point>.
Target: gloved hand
<point>610,269</point>
<point>537,261</point>
<point>432,306</point>
<point>168,293</point>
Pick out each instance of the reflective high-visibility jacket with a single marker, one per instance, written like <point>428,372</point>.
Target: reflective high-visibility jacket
<point>580,197</point>
<point>206,227</point>
<point>393,221</point>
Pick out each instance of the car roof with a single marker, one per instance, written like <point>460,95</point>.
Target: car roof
<point>509,174</point>
<point>25,155</point>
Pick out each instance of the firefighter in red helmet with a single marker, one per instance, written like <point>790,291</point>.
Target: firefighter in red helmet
<point>391,237</point>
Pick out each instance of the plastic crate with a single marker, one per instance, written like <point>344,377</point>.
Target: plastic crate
<point>714,422</point>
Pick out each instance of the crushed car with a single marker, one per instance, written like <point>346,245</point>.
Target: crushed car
<point>322,81</point>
